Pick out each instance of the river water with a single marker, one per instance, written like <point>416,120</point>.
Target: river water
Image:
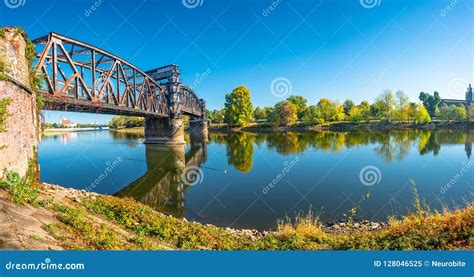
<point>249,180</point>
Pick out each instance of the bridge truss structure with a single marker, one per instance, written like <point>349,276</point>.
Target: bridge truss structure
<point>84,78</point>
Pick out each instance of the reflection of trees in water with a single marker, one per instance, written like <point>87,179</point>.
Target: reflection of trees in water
<point>395,145</point>
<point>288,143</point>
<point>432,141</point>
<point>132,138</point>
<point>240,151</point>
<point>389,145</point>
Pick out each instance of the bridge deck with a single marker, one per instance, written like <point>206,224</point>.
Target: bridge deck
<point>67,104</point>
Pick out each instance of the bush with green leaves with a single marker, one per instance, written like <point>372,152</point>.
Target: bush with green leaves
<point>21,190</point>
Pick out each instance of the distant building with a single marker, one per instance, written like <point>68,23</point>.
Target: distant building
<point>67,123</point>
<point>467,102</point>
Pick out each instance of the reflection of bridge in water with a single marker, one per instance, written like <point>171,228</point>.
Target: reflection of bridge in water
<point>163,185</point>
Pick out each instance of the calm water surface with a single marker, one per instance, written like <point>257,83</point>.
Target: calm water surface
<point>249,180</point>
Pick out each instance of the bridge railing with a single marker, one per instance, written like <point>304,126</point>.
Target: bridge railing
<point>82,77</point>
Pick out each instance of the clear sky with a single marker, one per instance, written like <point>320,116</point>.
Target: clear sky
<point>322,48</point>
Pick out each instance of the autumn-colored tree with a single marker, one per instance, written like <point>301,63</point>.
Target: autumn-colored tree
<point>329,110</point>
<point>355,114</point>
<point>422,114</point>
<point>238,107</point>
<point>284,113</point>
<point>300,103</point>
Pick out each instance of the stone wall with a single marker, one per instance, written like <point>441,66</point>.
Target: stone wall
<point>19,141</point>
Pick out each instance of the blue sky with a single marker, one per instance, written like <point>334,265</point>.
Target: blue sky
<point>336,49</point>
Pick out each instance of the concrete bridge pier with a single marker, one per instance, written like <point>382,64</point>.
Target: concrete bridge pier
<point>198,129</point>
<point>164,131</point>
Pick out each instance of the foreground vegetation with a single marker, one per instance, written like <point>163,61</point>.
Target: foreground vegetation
<point>107,222</point>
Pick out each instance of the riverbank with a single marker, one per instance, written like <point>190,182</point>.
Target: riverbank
<point>341,126</point>
<point>133,130</point>
<point>53,217</point>
<point>68,130</point>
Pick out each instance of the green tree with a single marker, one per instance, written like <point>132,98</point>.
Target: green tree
<point>456,113</point>
<point>313,115</point>
<point>422,115</point>
<point>402,112</point>
<point>215,116</point>
<point>238,107</point>
<point>126,122</point>
<point>355,114</point>
<point>460,113</point>
<point>431,102</point>
<point>470,112</point>
<point>285,113</point>
<point>329,110</point>
<point>446,112</point>
<point>268,110</point>
<point>365,110</point>
<point>300,103</point>
<point>348,106</point>
<point>385,104</point>
<point>413,109</point>
<point>259,114</point>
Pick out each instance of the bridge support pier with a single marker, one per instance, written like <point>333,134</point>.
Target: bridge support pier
<point>198,129</point>
<point>19,124</point>
<point>164,131</point>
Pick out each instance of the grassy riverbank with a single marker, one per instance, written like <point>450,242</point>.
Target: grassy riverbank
<point>133,130</point>
<point>80,220</point>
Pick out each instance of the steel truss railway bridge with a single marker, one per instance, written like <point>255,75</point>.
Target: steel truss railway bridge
<point>80,77</point>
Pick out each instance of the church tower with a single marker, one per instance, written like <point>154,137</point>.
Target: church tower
<point>469,96</point>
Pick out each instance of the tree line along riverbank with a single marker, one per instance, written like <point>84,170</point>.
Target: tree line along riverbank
<point>389,110</point>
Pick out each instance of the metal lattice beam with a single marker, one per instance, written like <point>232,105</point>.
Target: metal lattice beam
<point>82,77</point>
